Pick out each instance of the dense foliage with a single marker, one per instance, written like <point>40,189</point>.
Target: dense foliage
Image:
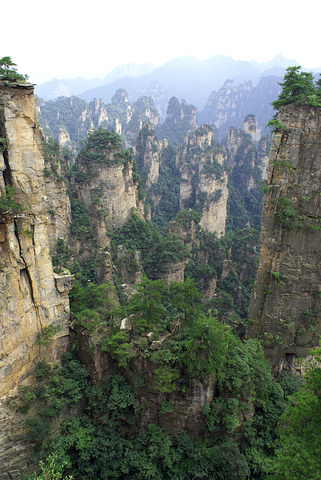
<point>298,87</point>
<point>101,438</point>
<point>157,251</point>
<point>166,190</point>
<point>163,340</point>
<point>298,452</point>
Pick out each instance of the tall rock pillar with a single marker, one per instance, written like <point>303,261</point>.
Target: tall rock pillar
<point>32,297</point>
<point>285,307</point>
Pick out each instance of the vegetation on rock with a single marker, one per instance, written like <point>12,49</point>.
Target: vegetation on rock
<point>102,437</point>
<point>8,205</point>
<point>163,342</point>
<point>8,71</point>
<point>297,88</point>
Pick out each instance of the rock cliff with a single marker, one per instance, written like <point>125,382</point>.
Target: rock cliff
<point>108,187</point>
<point>68,120</point>
<point>203,181</point>
<point>248,153</point>
<point>59,209</point>
<point>231,103</point>
<point>180,120</point>
<point>286,300</point>
<point>148,153</point>
<point>34,301</point>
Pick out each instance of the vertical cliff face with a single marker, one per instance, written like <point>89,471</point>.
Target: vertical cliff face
<point>286,299</point>
<point>231,103</point>
<point>148,152</point>
<point>204,179</point>
<point>248,153</point>
<point>107,184</point>
<point>59,209</point>
<point>31,296</point>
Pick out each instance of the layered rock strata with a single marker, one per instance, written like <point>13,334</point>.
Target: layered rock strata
<point>204,179</point>
<point>248,153</point>
<point>148,152</point>
<point>285,308</point>
<point>33,299</point>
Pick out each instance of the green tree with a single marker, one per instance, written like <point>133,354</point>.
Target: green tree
<point>297,87</point>
<point>7,203</point>
<point>298,455</point>
<point>8,72</point>
<point>186,299</point>
<point>50,469</point>
<point>148,303</point>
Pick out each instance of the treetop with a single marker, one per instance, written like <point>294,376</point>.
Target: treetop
<point>298,87</point>
<point>8,71</point>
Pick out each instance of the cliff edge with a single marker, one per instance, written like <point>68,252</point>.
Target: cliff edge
<point>285,307</point>
<point>34,301</point>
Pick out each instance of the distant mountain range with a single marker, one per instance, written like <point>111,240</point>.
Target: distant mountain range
<point>184,77</point>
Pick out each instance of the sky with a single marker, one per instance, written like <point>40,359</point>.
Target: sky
<point>68,38</point>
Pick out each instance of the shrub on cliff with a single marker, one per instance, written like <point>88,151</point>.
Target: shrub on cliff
<point>298,452</point>
<point>298,87</point>
<point>8,72</point>
<point>8,205</point>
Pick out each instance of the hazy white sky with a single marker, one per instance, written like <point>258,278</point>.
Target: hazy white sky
<point>68,38</point>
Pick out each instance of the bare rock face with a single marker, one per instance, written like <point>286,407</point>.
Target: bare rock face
<point>204,179</point>
<point>286,300</point>
<point>59,209</point>
<point>174,272</point>
<point>231,103</point>
<point>148,152</point>
<point>111,194</point>
<point>30,295</point>
<point>248,153</point>
<point>226,102</point>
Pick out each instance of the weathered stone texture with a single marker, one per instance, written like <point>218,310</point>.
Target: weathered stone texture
<point>119,195</point>
<point>204,178</point>
<point>29,296</point>
<point>285,306</point>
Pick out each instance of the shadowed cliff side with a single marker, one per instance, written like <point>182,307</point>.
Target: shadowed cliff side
<point>285,307</point>
<point>34,301</point>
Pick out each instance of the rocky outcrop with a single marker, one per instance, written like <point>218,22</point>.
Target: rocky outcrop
<point>58,201</point>
<point>68,120</point>
<point>111,194</point>
<point>204,179</point>
<point>182,111</point>
<point>286,301</point>
<point>148,154</point>
<point>33,300</point>
<point>231,103</point>
<point>180,120</point>
<point>248,153</point>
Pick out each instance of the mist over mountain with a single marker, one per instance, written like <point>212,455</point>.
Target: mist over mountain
<point>183,77</point>
<point>67,87</point>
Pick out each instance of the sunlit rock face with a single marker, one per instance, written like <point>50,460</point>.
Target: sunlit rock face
<point>111,194</point>
<point>32,297</point>
<point>286,300</point>
<point>204,179</point>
